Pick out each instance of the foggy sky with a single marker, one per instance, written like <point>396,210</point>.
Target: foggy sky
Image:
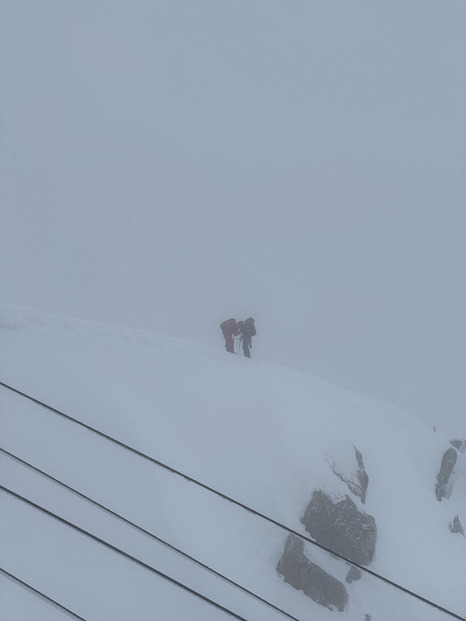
<point>166,164</point>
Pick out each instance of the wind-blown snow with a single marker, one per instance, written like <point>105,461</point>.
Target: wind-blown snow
<point>259,433</point>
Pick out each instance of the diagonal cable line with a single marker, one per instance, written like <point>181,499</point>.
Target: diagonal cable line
<point>122,553</point>
<point>41,595</point>
<point>148,533</point>
<point>233,501</point>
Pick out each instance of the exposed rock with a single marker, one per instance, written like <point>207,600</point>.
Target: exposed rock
<point>459,444</point>
<point>443,489</point>
<point>362,475</point>
<point>341,527</point>
<point>308,577</point>
<point>356,478</point>
<point>353,575</point>
<point>456,526</point>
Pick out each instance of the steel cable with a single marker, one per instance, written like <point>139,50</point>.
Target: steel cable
<point>38,593</point>
<point>117,550</point>
<point>233,501</point>
<point>148,533</point>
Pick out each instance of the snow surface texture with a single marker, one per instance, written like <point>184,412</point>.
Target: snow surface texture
<point>262,434</point>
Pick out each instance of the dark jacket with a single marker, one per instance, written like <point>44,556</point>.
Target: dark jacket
<point>248,330</point>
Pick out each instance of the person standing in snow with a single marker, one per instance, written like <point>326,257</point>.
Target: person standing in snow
<point>248,330</point>
<point>230,329</point>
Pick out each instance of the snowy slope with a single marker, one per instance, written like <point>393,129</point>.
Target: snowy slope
<point>259,433</point>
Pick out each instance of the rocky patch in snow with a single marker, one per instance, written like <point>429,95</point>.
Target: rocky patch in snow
<point>304,575</point>
<point>443,486</point>
<point>341,527</point>
<point>456,526</point>
<point>353,574</point>
<point>353,473</point>
<point>459,444</point>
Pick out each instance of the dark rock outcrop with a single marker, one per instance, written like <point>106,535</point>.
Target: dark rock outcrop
<point>442,488</point>
<point>341,527</point>
<point>459,444</point>
<point>353,575</point>
<point>456,526</point>
<point>362,476</point>
<point>357,480</point>
<point>306,576</point>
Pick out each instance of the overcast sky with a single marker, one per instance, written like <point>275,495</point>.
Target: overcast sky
<point>167,164</point>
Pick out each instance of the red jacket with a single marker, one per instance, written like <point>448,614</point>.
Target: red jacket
<point>230,327</point>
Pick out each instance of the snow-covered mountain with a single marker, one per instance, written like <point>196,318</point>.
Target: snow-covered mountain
<point>272,459</point>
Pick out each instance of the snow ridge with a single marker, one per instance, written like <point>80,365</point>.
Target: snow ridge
<point>261,434</point>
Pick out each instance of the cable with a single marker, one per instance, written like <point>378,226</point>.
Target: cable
<point>149,534</point>
<point>121,552</point>
<point>37,593</point>
<point>233,501</point>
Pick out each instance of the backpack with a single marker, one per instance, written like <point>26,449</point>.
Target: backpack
<point>229,326</point>
<point>249,328</point>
